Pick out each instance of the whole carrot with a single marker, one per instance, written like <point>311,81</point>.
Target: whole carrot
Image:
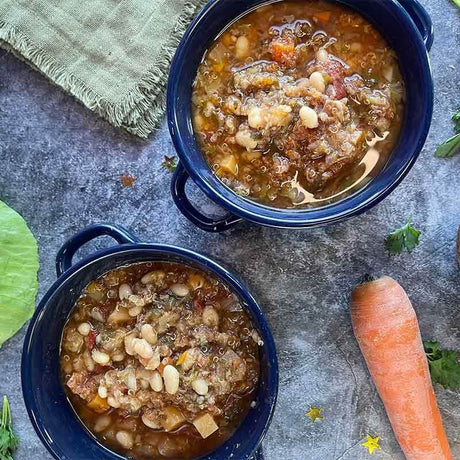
<point>388,334</point>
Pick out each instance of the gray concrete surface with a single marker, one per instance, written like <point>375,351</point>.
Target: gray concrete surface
<point>61,167</point>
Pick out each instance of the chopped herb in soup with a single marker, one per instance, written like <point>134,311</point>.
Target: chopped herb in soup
<point>160,360</point>
<point>297,103</point>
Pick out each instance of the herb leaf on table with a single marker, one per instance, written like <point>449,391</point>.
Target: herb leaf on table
<point>8,440</point>
<point>406,237</point>
<point>169,163</point>
<point>444,365</point>
<point>452,145</point>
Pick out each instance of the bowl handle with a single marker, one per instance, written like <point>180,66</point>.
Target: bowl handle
<point>72,245</point>
<point>421,19</point>
<point>206,223</point>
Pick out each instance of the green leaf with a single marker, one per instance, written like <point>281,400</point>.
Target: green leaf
<point>444,365</point>
<point>18,272</point>
<point>8,440</point>
<point>457,2</point>
<point>406,237</point>
<point>456,116</point>
<point>169,163</point>
<point>448,148</point>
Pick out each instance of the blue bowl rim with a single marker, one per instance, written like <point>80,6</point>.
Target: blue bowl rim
<point>187,255</point>
<point>300,218</point>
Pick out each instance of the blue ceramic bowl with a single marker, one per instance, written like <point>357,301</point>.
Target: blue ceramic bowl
<point>49,410</point>
<point>408,29</point>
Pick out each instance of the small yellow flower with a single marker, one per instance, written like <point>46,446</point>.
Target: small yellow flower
<point>314,413</point>
<point>372,443</point>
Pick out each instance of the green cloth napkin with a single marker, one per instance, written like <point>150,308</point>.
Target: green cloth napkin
<point>112,55</point>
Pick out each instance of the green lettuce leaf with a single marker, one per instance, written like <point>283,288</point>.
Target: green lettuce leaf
<point>18,272</point>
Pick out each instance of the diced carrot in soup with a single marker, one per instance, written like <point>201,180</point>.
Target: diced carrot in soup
<point>323,17</point>
<point>99,405</point>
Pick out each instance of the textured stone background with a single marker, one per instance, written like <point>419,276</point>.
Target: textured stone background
<point>61,167</point>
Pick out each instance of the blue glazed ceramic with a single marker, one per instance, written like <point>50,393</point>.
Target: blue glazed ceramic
<point>408,29</point>
<point>51,414</point>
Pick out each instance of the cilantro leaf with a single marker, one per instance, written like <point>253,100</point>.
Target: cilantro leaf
<point>444,365</point>
<point>456,118</point>
<point>448,148</point>
<point>406,237</point>
<point>452,145</point>
<point>8,440</point>
<point>169,163</point>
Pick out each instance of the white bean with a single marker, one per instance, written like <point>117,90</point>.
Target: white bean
<point>125,439</point>
<point>256,117</point>
<point>97,315</point>
<point>118,357</point>
<point>242,47</point>
<point>317,81</point>
<point>124,291</point>
<point>210,316</point>
<point>156,381</point>
<point>102,423</point>
<point>154,277</point>
<point>131,381</point>
<point>137,310</point>
<point>322,55</point>
<point>84,329</point>
<point>148,421</point>
<point>143,348</point>
<point>79,363</point>
<point>89,363</point>
<point>200,386</point>
<point>102,392</point>
<point>243,138</point>
<point>129,344</point>
<point>171,379</point>
<point>308,116</point>
<point>112,402</point>
<point>181,290</point>
<point>149,334</point>
<point>100,357</point>
<point>152,363</point>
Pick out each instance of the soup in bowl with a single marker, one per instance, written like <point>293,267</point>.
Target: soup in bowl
<point>298,113</point>
<point>160,361</point>
<point>298,103</point>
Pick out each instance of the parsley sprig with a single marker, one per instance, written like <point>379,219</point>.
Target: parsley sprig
<point>8,440</point>
<point>444,365</point>
<point>452,145</point>
<point>406,237</point>
<point>169,163</point>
